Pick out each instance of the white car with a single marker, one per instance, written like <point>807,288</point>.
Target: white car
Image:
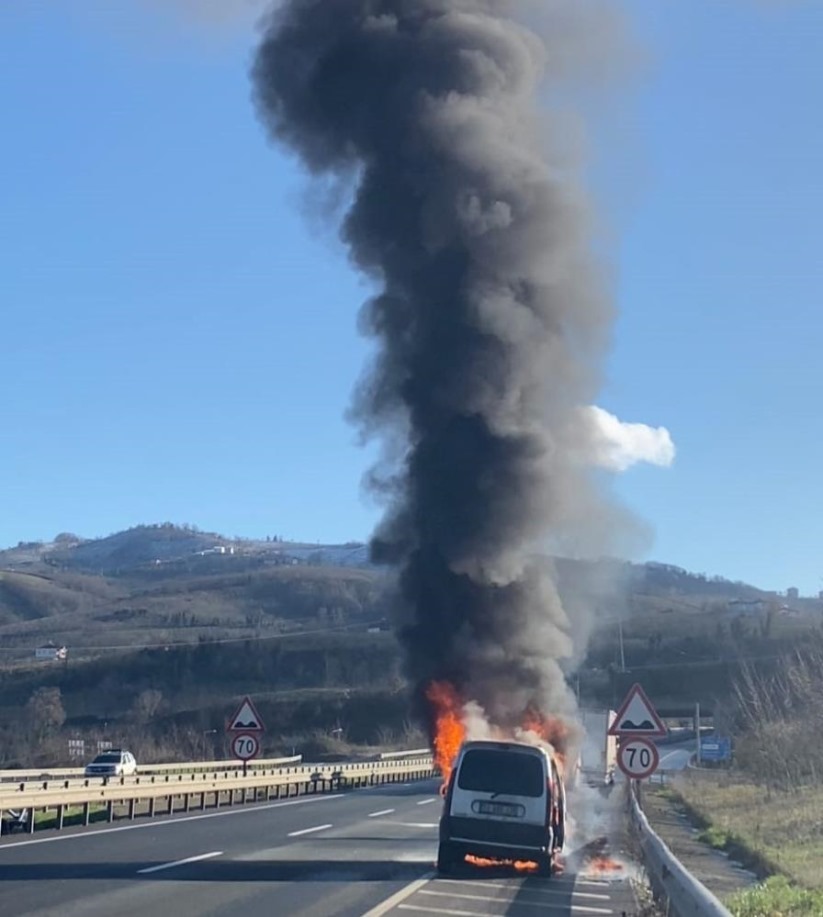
<point>112,763</point>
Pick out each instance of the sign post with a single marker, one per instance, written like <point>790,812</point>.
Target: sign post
<point>245,728</point>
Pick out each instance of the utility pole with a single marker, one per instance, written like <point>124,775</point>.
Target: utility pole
<point>622,654</point>
<point>697,729</point>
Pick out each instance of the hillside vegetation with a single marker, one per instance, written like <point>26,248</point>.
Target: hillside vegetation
<point>165,626</point>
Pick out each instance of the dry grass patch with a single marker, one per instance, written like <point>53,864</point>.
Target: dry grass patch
<point>784,829</point>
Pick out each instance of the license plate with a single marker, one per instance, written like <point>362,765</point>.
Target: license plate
<point>504,809</point>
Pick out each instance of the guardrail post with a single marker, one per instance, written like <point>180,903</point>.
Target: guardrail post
<point>186,802</point>
<point>152,804</point>
<point>132,804</point>
<point>202,801</point>
<point>59,822</point>
<point>31,820</point>
<point>111,810</point>
<point>86,814</point>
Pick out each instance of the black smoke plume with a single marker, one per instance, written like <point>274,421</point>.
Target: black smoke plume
<point>490,317</point>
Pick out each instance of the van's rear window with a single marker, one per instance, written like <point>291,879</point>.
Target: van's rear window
<point>501,772</point>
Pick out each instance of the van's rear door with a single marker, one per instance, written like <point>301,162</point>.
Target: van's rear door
<point>508,785</point>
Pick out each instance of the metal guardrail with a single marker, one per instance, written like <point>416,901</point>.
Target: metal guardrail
<point>47,773</point>
<point>414,753</point>
<point>670,880</point>
<point>223,788</point>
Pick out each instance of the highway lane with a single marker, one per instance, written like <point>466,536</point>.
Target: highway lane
<point>365,852</point>
<point>677,757</point>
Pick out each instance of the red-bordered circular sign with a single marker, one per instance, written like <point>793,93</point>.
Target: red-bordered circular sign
<point>637,757</point>
<point>245,746</point>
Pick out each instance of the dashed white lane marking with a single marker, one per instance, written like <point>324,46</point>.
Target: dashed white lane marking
<point>425,802</point>
<point>175,820</point>
<point>381,812</point>
<point>520,902</point>
<point>530,889</point>
<point>195,859</point>
<point>385,906</point>
<point>441,910</point>
<point>308,830</point>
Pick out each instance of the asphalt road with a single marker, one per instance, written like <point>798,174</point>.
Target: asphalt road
<point>368,852</point>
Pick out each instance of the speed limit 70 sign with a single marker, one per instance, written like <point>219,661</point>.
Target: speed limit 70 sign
<point>637,757</point>
<point>245,746</point>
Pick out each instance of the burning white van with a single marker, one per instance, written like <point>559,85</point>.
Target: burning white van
<point>505,801</point>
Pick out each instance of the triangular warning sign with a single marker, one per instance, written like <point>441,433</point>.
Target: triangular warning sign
<point>246,719</point>
<point>637,716</point>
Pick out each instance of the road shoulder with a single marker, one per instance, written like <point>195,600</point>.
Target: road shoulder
<point>715,869</point>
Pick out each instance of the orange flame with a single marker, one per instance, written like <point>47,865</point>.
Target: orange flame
<point>485,863</point>
<point>525,866</point>
<point>551,729</point>
<point>603,864</point>
<point>449,729</point>
<point>450,732</point>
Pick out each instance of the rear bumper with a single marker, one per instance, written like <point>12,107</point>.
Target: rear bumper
<point>498,839</point>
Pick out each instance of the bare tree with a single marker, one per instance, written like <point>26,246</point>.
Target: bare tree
<point>146,705</point>
<point>44,712</point>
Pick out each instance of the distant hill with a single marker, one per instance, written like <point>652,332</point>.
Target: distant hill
<point>165,585</point>
<point>147,545</point>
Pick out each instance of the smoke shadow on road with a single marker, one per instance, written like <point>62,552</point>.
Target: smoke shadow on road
<point>216,870</point>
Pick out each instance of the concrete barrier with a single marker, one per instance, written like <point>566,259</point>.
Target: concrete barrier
<point>671,882</point>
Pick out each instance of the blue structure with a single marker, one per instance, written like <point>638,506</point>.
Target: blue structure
<point>715,749</point>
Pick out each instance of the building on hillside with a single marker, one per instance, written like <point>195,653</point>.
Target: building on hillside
<point>51,652</point>
<point>793,593</point>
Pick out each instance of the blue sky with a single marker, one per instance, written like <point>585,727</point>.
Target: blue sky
<point>179,339</point>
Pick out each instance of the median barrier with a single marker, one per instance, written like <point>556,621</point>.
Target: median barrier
<point>392,755</point>
<point>671,882</point>
<point>47,773</point>
<point>141,795</point>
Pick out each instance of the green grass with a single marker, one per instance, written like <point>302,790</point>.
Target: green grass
<point>777,897</point>
<point>72,815</point>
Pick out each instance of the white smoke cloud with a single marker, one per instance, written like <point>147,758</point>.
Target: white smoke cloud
<point>617,445</point>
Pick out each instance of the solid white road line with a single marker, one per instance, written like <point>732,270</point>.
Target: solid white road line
<point>425,802</point>
<point>175,820</point>
<point>162,866</point>
<point>385,906</point>
<point>308,830</point>
<point>381,812</point>
<point>416,824</point>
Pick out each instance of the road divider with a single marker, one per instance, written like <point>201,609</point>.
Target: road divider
<point>114,798</point>
<point>46,774</point>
